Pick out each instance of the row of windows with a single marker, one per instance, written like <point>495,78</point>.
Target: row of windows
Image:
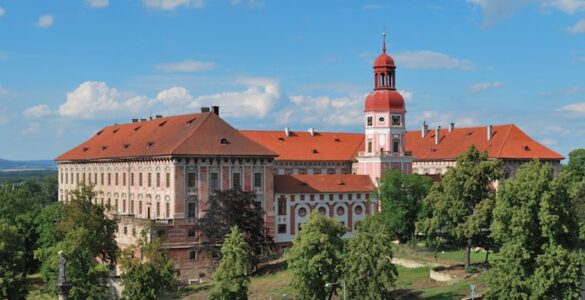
<point>330,171</point>
<point>214,180</point>
<point>282,201</point>
<point>124,207</point>
<point>117,178</point>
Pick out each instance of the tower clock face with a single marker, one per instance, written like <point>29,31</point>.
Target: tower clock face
<point>396,121</point>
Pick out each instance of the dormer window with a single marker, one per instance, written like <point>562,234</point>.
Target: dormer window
<point>224,141</point>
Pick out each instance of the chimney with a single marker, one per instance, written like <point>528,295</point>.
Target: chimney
<point>158,116</point>
<point>286,131</point>
<point>215,110</point>
<point>204,109</point>
<point>312,131</point>
<point>451,127</point>
<point>437,137</point>
<point>490,131</point>
<point>134,120</point>
<point>143,120</point>
<point>424,130</point>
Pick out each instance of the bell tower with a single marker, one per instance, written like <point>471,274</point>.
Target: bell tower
<point>384,123</point>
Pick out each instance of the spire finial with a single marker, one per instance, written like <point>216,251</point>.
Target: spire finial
<point>384,44</point>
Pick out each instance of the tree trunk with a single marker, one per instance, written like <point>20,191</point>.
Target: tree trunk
<point>487,254</point>
<point>467,254</point>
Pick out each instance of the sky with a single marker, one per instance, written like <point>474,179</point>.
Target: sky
<point>71,67</point>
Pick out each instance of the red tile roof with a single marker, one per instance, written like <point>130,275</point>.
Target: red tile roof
<point>193,134</point>
<point>322,183</point>
<point>508,141</point>
<point>302,146</point>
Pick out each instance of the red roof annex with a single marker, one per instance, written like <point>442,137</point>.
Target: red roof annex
<point>323,183</point>
<point>193,134</point>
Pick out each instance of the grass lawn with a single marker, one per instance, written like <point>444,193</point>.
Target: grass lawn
<point>445,257</point>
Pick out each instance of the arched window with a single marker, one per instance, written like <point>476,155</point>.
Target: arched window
<point>192,203</point>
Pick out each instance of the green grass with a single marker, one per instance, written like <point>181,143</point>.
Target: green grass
<point>447,257</point>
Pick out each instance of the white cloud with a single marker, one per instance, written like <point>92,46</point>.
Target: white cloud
<point>323,111</point>
<point>431,60</point>
<point>575,108</point>
<point>92,99</point>
<point>549,142</point>
<point>45,21</point>
<point>172,4</point>
<point>407,95</point>
<point>250,3</point>
<point>37,111</point>
<point>567,6</point>
<point>256,101</point>
<point>4,92</point>
<point>2,11</point>
<point>174,95</point>
<point>579,27</point>
<point>483,86</point>
<point>435,118</point>
<point>98,3</point>
<point>186,66</point>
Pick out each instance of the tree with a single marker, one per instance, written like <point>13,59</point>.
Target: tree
<point>85,234</point>
<point>234,208</point>
<point>368,270</point>
<point>231,280</point>
<point>152,275</point>
<point>535,222</point>
<point>576,165</point>
<point>13,283</point>
<point>401,197</point>
<point>316,257</point>
<point>460,205</point>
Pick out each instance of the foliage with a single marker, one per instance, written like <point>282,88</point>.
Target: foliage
<point>401,196</point>
<point>576,165</point>
<point>86,236</point>
<point>234,208</point>
<point>13,283</point>
<point>150,276</point>
<point>459,207</point>
<point>368,271</point>
<point>536,224</point>
<point>316,257</point>
<point>231,280</point>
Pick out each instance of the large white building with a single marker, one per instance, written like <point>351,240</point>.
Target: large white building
<point>163,169</point>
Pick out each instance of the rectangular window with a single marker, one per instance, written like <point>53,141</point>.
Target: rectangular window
<point>369,146</point>
<point>109,179</point>
<point>131,179</point>
<point>282,207</point>
<point>139,179</point>
<point>124,179</point>
<point>102,179</point>
<point>316,171</point>
<point>302,171</point>
<point>132,206</point>
<point>168,183</point>
<point>158,209</point>
<point>124,205</point>
<point>168,210</point>
<point>370,120</point>
<point>236,180</point>
<point>191,232</point>
<point>396,145</point>
<point>192,255</point>
<point>95,178</point>
<point>331,171</point>
<point>281,228</point>
<point>191,208</point>
<point>66,178</point>
<point>157,180</point>
<point>258,179</point>
<point>140,207</point>
<point>288,171</point>
<point>116,179</point>
<point>149,179</point>
<point>76,178</point>
<point>214,181</point>
<point>61,178</point>
<point>89,178</point>
<point>191,180</point>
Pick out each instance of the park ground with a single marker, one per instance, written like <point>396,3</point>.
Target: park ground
<point>272,281</point>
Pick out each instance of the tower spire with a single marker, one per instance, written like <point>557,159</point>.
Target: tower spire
<point>384,41</point>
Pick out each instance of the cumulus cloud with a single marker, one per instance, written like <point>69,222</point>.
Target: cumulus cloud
<point>186,66</point>
<point>45,21</point>
<point>578,28</point>
<point>98,3</point>
<point>483,86</point>
<point>172,4</point>
<point>37,111</point>
<point>567,6</point>
<point>431,60</point>
<point>93,98</point>
<point>323,111</point>
<point>2,11</point>
<point>575,108</point>
<point>255,101</point>
<point>407,95</point>
<point>435,118</point>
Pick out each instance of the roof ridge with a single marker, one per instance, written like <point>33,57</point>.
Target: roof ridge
<point>305,132</point>
<point>187,137</point>
<point>505,139</point>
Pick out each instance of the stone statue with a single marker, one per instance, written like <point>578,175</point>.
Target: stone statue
<point>62,285</point>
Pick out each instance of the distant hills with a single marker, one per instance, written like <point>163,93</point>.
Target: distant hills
<point>28,165</point>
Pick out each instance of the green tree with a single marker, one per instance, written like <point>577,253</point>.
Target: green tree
<point>85,234</point>
<point>576,165</point>
<point>459,207</point>
<point>234,208</point>
<point>13,283</point>
<point>368,270</point>
<point>231,280</point>
<point>401,198</point>
<point>152,275</point>
<point>535,222</point>
<point>316,257</point>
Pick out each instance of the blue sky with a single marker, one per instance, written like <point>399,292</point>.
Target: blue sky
<point>68,68</point>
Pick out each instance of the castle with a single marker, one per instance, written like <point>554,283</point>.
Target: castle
<point>164,169</point>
